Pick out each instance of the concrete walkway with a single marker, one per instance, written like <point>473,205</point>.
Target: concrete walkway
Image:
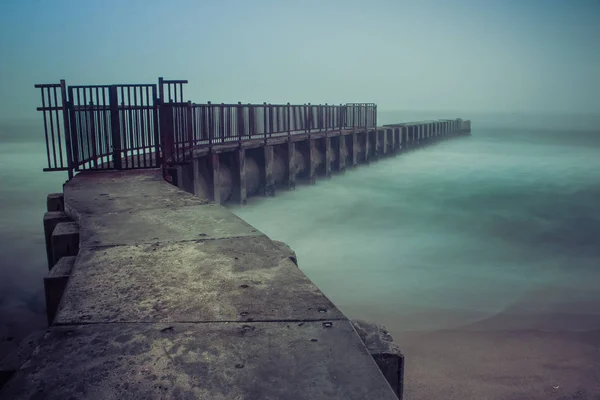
<point>175,297</point>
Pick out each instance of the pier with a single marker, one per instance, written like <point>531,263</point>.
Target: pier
<point>155,290</point>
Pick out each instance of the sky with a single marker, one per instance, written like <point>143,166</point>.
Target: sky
<point>464,55</point>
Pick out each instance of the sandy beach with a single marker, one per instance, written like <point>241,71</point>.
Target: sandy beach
<point>501,365</point>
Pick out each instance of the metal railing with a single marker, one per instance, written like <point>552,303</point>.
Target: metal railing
<point>147,125</point>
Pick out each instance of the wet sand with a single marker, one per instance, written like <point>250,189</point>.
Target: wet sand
<point>499,365</point>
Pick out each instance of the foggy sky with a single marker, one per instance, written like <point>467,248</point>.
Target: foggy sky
<point>464,55</point>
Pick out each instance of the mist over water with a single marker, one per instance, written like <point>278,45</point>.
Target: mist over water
<point>497,230</point>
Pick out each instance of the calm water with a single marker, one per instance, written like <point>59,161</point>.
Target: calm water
<point>505,221</point>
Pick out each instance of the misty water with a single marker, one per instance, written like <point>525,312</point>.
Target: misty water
<point>504,222</point>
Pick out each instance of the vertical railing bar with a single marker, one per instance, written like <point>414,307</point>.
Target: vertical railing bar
<point>136,125</point>
<point>60,151</point>
<point>210,125</point>
<point>46,129</point>
<point>107,136</point>
<point>129,156</point>
<point>86,118</point>
<point>51,127</point>
<point>123,132</point>
<point>222,122</point>
<point>92,121</point>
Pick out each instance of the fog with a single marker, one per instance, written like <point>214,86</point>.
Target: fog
<point>524,56</point>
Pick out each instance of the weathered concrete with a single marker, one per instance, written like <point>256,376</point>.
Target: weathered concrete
<point>15,359</point>
<point>65,240</point>
<point>55,202</point>
<point>216,361</point>
<point>55,283</point>
<point>174,297</point>
<point>384,351</point>
<point>51,219</point>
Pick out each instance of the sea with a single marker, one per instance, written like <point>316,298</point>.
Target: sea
<point>497,230</point>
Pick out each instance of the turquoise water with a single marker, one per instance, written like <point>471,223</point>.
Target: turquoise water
<point>504,222</point>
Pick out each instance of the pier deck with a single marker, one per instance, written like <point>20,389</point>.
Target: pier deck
<point>172,296</point>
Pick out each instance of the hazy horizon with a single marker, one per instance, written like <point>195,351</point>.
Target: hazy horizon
<point>467,55</point>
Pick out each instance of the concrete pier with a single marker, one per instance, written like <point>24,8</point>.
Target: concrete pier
<point>173,296</point>
<point>155,290</point>
<point>235,174</point>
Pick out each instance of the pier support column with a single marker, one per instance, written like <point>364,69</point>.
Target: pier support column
<point>179,179</point>
<point>384,139</point>
<point>354,149</point>
<point>312,160</point>
<point>392,138</point>
<point>291,166</point>
<point>367,145</point>
<point>269,185</point>
<point>377,151</point>
<point>328,155</point>
<point>55,202</point>
<point>51,219</point>
<point>342,152</point>
<point>65,241</point>
<point>55,282</point>
<point>239,176</point>
<point>216,180</point>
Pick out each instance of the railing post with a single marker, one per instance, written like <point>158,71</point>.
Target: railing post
<point>155,127</point>
<point>265,124</point>
<point>67,125</point>
<point>222,122</point>
<point>289,122</point>
<point>270,119</point>
<point>190,130</point>
<point>375,115</point>
<point>161,90</point>
<point>251,120</point>
<point>211,125</point>
<point>240,122</point>
<point>115,126</point>
<point>309,118</point>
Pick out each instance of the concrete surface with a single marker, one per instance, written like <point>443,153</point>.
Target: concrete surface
<point>214,361</point>
<point>174,297</point>
<point>55,283</point>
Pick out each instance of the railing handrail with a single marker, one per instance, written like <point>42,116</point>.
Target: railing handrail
<point>99,126</point>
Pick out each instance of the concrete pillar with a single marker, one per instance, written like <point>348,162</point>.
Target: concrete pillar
<point>55,202</point>
<point>342,152</point>
<point>385,352</point>
<point>291,166</point>
<point>377,150</point>
<point>216,180</point>
<point>196,177</point>
<point>239,176</point>
<point>55,282</point>
<point>179,177</point>
<point>328,154</point>
<point>354,149</point>
<point>367,145</point>
<point>51,219</point>
<point>65,241</point>
<point>312,160</point>
<point>384,145</point>
<point>398,137</point>
<point>269,181</point>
